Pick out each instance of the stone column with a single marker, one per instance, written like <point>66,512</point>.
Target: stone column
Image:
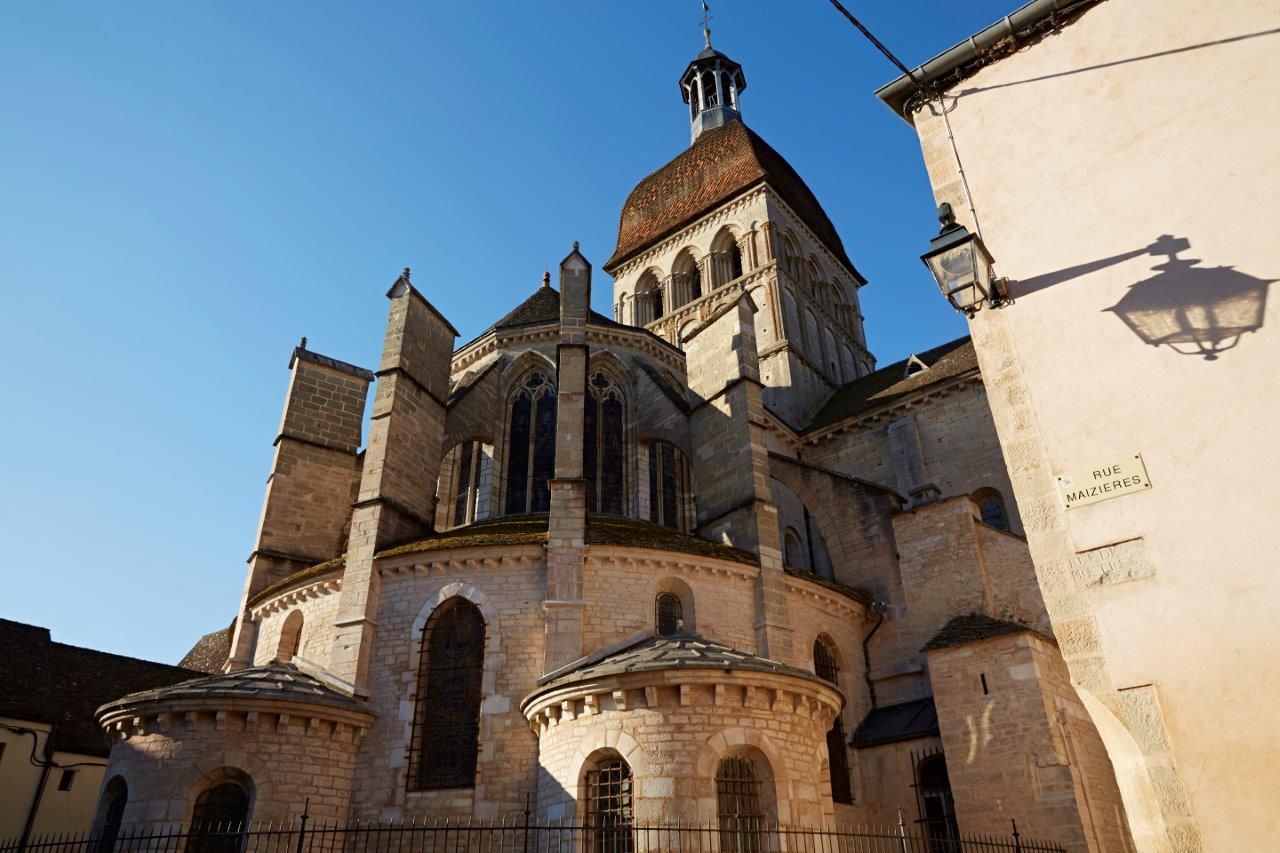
<point>567,530</point>
<point>730,459</point>
<point>396,501</point>
<point>313,476</point>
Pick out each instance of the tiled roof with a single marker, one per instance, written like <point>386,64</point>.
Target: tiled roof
<point>542,307</point>
<point>517,530</point>
<point>974,627</point>
<point>210,652</point>
<point>851,591</point>
<point>722,163</point>
<point>275,680</point>
<point>48,682</point>
<point>890,384</point>
<point>678,651</point>
<point>893,723</point>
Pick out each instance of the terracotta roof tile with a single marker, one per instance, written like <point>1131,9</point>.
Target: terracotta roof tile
<point>890,384</point>
<point>721,163</point>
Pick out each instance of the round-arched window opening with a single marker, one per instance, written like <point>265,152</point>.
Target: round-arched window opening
<point>115,796</point>
<point>219,819</point>
<point>607,800</point>
<point>991,508</point>
<point>669,614</point>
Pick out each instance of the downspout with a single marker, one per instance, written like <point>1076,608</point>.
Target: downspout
<point>46,766</point>
<point>878,608</point>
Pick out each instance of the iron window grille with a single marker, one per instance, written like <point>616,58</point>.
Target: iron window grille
<point>446,730</point>
<point>824,665</point>
<point>608,807</point>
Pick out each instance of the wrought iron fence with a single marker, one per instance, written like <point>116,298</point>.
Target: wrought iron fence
<point>520,835</point>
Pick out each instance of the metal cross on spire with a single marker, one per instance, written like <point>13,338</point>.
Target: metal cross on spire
<point>706,22</point>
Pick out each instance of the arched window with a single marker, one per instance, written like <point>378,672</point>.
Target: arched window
<point>290,636</point>
<point>531,445</point>
<point>792,551</point>
<point>603,445</point>
<point>648,304</point>
<point>791,256</point>
<point>667,486</point>
<point>668,613</point>
<point>115,796</point>
<point>991,508</point>
<point>933,794</point>
<point>219,817</point>
<point>833,356</point>
<point>709,89</point>
<point>739,809</point>
<point>445,732</point>
<point>464,482</point>
<point>686,276</point>
<point>607,800</point>
<point>824,665</point>
<point>728,257</point>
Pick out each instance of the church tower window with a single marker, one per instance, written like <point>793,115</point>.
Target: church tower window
<point>603,441</point>
<point>447,724</point>
<point>531,445</point>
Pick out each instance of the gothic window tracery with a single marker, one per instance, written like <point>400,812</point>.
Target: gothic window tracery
<point>824,665</point>
<point>531,445</point>
<point>603,444</point>
<point>447,721</point>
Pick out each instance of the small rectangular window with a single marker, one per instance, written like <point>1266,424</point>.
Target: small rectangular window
<point>67,780</point>
<point>985,689</point>
<point>1,752</point>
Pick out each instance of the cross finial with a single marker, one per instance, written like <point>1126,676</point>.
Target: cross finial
<point>302,344</point>
<point>575,245</point>
<point>405,274</point>
<point>546,279</point>
<point>706,22</point>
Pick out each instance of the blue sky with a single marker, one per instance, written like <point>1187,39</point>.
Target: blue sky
<point>186,189</point>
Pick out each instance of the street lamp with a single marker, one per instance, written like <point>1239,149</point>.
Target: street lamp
<point>962,266</point>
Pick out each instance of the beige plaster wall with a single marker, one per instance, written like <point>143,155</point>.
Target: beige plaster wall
<point>58,811</point>
<point>1142,119</point>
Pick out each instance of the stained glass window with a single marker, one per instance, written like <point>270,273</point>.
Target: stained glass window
<point>824,665</point>
<point>447,726</point>
<point>668,485</point>
<point>608,807</point>
<point>603,444</point>
<point>531,445</point>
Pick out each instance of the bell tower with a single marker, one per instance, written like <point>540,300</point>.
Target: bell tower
<point>711,86</point>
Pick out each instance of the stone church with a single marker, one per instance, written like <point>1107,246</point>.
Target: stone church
<point>699,556</point>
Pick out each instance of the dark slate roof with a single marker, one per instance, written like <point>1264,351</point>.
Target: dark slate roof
<point>974,627</point>
<point>678,651</point>
<point>722,163</point>
<point>211,651</point>
<point>276,680</point>
<point>893,723</point>
<point>888,385</point>
<point>305,354</point>
<point>542,307</point>
<point>47,682</point>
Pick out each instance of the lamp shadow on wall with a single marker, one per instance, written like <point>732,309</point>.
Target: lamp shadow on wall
<point>1192,310</point>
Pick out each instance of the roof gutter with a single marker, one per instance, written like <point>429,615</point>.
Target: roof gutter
<point>898,94</point>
